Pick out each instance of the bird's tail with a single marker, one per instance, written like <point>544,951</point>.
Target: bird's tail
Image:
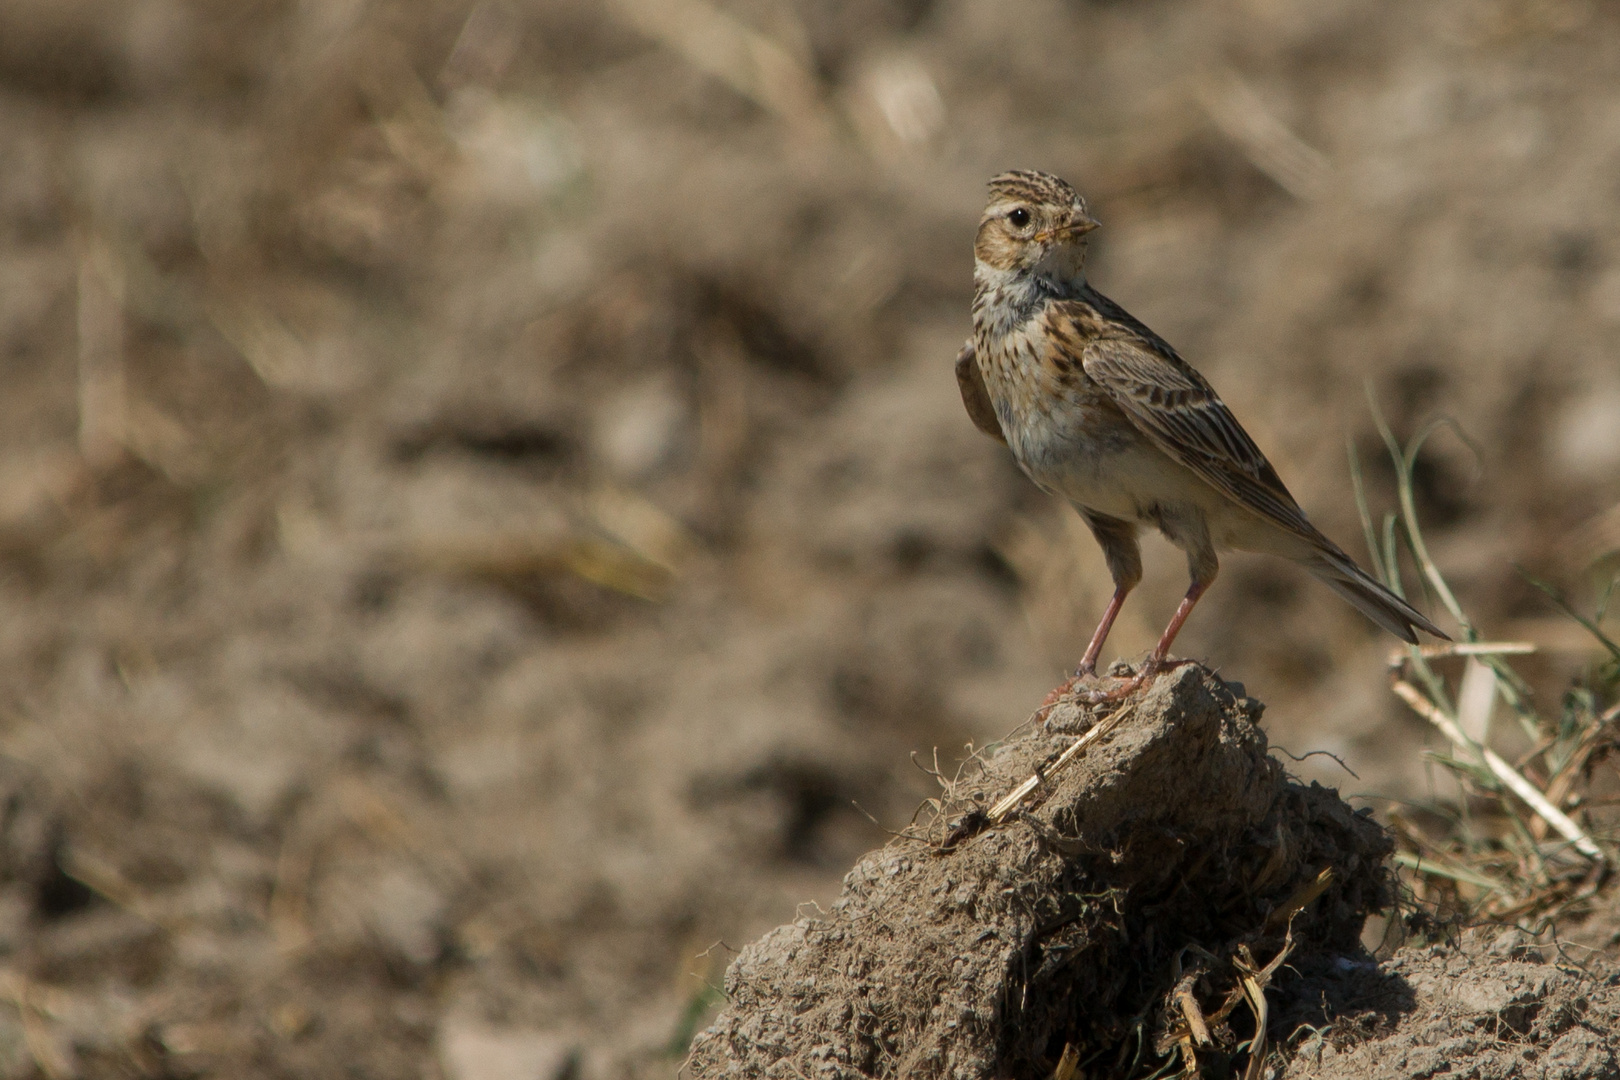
<point>1340,573</point>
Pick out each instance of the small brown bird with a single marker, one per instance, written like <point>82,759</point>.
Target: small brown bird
<point>1098,409</point>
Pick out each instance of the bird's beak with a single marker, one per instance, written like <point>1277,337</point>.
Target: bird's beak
<point>1078,226</point>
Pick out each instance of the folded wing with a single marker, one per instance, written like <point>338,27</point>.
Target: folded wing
<point>975,398</point>
<point>1173,405</point>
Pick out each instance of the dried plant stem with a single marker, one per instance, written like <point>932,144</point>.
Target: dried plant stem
<point>753,64</point>
<point>1504,772</point>
<point>1298,168</point>
<point>1068,1064</point>
<point>1474,648</point>
<point>102,405</point>
<point>1197,1027</point>
<point>1010,801</point>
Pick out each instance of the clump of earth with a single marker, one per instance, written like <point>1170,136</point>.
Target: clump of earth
<point>1165,897</point>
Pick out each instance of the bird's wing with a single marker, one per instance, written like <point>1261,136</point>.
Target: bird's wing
<point>974,396</point>
<point>1173,405</point>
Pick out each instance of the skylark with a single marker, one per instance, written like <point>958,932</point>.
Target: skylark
<point>1098,409</point>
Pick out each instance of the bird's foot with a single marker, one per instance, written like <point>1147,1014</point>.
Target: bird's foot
<point>1059,693</point>
<point>1116,693</point>
<point>1070,689</point>
<point>1126,684</point>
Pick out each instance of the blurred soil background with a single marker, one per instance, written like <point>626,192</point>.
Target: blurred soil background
<point>483,494</point>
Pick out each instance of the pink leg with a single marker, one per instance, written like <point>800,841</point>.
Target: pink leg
<point>1194,591</point>
<point>1157,661</point>
<point>1088,663</point>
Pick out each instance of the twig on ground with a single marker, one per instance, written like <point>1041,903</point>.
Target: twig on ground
<point>103,426</point>
<point>1504,772</point>
<point>1068,1064</point>
<point>1009,802</point>
<point>756,66</point>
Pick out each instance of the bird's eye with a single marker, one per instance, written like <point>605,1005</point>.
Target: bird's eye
<point>1019,217</point>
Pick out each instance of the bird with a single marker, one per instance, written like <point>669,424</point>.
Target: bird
<point>1099,410</point>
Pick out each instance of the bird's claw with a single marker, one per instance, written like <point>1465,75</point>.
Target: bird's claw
<point>1058,694</point>
<point>1127,685</point>
<point>1073,690</point>
<point>1118,693</point>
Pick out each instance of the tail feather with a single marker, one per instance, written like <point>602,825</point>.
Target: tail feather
<point>1336,570</point>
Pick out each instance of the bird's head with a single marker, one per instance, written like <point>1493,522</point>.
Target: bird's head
<point>1034,223</point>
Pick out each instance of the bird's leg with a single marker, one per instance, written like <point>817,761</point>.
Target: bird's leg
<point>1117,538</point>
<point>1202,566</point>
<point>1088,662</point>
<point>1157,661</point>
<point>1118,541</point>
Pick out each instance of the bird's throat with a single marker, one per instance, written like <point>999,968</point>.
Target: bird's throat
<point>1006,300</point>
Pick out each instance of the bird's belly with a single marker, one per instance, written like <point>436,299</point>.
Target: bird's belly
<point>1073,441</point>
<point>1125,475</point>
<point>1098,460</point>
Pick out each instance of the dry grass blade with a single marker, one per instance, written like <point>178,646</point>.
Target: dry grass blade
<point>1470,648</point>
<point>1504,772</point>
<point>271,349</point>
<point>1284,912</point>
<point>1300,169</point>
<point>642,526</point>
<point>1452,872</point>
<point>102,390</point>
<point>1009,802</point>
<point>508,557</point>
<point>1589,625</point>
<point>1256,995</point>
<point>749,62</point>
<point>1253,981</point>
<point>43,1046</point>
<point>104,879</point>
<point>1068,1064</point>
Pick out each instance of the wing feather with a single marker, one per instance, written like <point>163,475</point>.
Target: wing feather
<point>975,398</point>
<point>1173,405</point>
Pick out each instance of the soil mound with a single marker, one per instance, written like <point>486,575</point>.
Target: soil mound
<point>1114,914</point>
<point>1481,1010</point>
<point>1117,886</point>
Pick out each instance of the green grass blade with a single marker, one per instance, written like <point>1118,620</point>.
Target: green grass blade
<point>1454,873</point>
<point>1564,606</point>
<point>1369,534</point>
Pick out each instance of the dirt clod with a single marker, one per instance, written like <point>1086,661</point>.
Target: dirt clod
<point>1173,845</point>
<point>1473,1012</point>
